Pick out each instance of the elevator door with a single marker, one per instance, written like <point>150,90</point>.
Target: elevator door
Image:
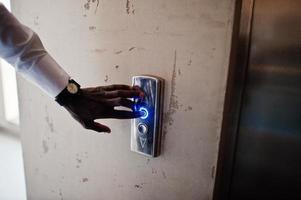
<point>267,162</point>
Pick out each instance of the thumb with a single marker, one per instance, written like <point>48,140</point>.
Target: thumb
<point>97,127</point>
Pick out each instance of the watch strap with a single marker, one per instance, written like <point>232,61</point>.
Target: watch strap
<point>65,96</point>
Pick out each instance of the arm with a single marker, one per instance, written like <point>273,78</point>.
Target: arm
<point>23,49</point>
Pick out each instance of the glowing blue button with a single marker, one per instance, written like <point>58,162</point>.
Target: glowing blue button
<point>144,111</point>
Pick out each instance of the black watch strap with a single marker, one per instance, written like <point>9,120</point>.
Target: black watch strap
<point>67,95</point>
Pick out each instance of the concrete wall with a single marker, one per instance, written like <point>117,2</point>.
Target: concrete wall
<point>102,42</point>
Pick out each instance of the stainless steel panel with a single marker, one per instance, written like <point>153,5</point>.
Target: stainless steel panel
<point>268,158</point>
<point>146,130</point>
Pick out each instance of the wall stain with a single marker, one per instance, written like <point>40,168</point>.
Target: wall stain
<point>164,175</point>
<point>106,78</point>
<point>154,171</point>
<point>48,120</point>
<point>92,28</point>
<point>179,72</point>
<point>118,52</point>
<point>88,3</point>
<point>36,21</point>
<point>213,172</point>
<point>85,180</point>
<point>45,146</point>
<point>116,66</point>
<point>129,7</point>
<point>139,186</point>
<point>173,102</point>
<point>99,50</point>
<point>189,62</point>
<point>189,108</point>
<point>132,48</point>
<point>61,194</point>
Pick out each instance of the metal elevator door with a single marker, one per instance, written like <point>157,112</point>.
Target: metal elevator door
<point>267,161</point>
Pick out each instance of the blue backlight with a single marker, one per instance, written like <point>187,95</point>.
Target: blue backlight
<point>144,111</point>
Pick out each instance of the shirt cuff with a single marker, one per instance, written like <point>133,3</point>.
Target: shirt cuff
<point>48,75</point>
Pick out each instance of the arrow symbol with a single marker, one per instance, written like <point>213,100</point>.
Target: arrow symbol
<point>142,141</point>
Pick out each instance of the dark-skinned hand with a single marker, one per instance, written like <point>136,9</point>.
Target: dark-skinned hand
<point>100,102</point>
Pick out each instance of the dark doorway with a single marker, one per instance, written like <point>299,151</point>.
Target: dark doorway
<point>262,158</point>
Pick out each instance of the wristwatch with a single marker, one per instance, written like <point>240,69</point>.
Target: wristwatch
<point>69,92</point>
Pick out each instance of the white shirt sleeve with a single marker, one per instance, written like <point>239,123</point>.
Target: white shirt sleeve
<point>22,48</point>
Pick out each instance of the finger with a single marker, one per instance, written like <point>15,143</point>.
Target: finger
<point>122,114</point>
<point>122,93</point>
<point>117,87</point>
<point>121,102</point>
<point>96,127</point>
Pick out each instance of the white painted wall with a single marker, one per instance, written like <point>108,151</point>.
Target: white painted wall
<point>185,42</point>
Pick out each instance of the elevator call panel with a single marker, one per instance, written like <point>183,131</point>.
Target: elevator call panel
<point>146,130</point>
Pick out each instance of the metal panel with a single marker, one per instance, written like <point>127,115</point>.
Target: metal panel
<point>267,161</point>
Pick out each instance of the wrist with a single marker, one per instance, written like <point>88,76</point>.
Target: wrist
<point>68,93</point>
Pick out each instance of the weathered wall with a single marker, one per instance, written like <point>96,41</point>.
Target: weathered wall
<point>108,41</point>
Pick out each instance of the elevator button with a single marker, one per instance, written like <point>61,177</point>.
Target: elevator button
<point>142,128</point>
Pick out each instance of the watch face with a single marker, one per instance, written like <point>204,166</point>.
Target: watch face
<point>72,88</point>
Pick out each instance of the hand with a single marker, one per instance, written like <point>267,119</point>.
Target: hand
<point>99,102</point>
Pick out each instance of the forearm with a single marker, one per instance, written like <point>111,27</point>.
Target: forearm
<point>23,49</point>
